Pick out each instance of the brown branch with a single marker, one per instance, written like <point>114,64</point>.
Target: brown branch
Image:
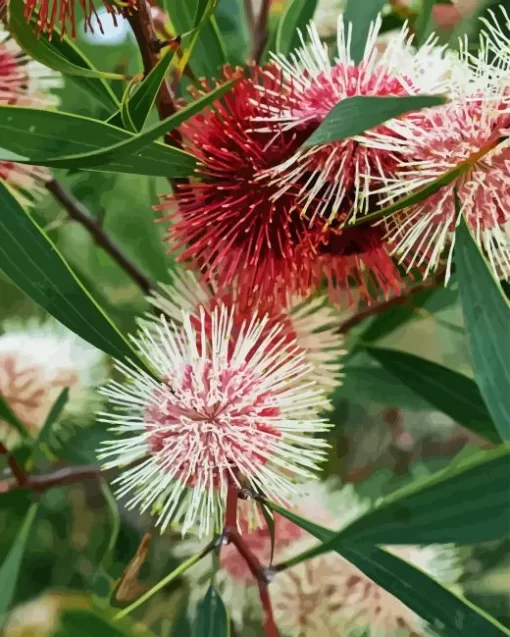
<point>260,33</point>
<point>231,535</point>
<point>397,301</point>
<point>78,212</point>
<point>20,477</point>
<point>57,478</point>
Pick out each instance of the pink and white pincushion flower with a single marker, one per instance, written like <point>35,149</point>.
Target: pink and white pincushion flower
<point>24,82</point>
<point>339,175</point>
<point>37,361</point>
<point>312,323</point>
<point>224,408</point>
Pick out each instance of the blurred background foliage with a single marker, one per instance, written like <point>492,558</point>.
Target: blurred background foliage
<point>80,543</point>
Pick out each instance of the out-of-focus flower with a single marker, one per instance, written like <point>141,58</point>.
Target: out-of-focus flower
<point>222,411</point>
<point>311,323</point>
<point>24,82</point>
<point>326,596</point>
<point>37,361</point>
<point>333,181</point>
<point>471,131</point>
<point>62,13</point>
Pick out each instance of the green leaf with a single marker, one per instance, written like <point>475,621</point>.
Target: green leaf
<point>462,504</point>
<point>296,17</point>
<point>425,24</point>
<point>9,571</point>
<point>450,392</point>
<point>60,54</point>
<point>33,262</point>
<point>354,115</point>
<point>209,53</point>
<point>10,417</point>
<point>269,519</point>
<point>360,14</point>
<point>104,583</point>
<point>141,102</point>
<point>211,619</point>
<point>47,138</point>
<point>127,148</point>
<point>42,443</point>
<point>487,318</point>
<point>448,614</point>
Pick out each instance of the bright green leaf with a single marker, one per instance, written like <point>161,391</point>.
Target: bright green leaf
<point>425,23</point>
<point>61,54</point>
<point>10,569</point>
<point>354,115</point>
<point>360,14</point>
<point>209,53</point>
<point>53,139</point>
<point>211,619</point>
<point>296,17</point>
<point>446,390</point>
<point>33,262</point>
<point>462,504</point>
<point>141,102</point>
<point>487,318</point>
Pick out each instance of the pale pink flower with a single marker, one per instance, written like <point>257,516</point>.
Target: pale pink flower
<point>37,361</point>
<point>337,177</point>
<point>311,323</point>
<point>24,82</point>
<point>326,596</point>
<point>224,407</point>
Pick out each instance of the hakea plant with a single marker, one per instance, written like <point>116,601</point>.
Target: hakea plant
<point>37,361</point>
<point>310,323</point>
<point>24,82</point>
<point>222,410</point>
<point>325,596</point>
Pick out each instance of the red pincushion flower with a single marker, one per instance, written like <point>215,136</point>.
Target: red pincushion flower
<point>63,13</point>
<point>229,222</point>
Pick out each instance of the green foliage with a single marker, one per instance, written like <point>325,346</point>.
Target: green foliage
<point>487,315</point>
<point>355,115</point>
<point>293,21</point>
<point>361,15</point>
<point>212,618</point>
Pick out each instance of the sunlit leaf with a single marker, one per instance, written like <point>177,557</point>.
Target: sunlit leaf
<point>296,17</point>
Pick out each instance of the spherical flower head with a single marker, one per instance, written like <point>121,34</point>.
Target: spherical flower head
<point>37,361</point>
<point>62,14</point>
<point>311,324</point>
<point>24,82</point>
<point>468,133</point>
<point>223,409</point>
<point>228,222</point>
<point>333,180</point>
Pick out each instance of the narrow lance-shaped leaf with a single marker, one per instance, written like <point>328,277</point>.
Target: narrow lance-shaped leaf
<point>61,54</point>
<point>360,14</point>
<point>33,262</point>
<point>141,102</point>
<point>354,115</point>
<point>46,138</point>
<point>487,317</point>
<point>295,19</point>
<point>444,389</point>
<point>41,447</point>
<point>10,568</point>
<point>211,619</point>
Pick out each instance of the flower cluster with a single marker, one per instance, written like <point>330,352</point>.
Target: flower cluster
<point>24,82</point>
<point>276,216</point>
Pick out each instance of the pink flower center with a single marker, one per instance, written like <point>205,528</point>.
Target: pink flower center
<point>212,421</point>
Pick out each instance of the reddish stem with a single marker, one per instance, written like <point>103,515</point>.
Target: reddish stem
<point>18,473</point>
